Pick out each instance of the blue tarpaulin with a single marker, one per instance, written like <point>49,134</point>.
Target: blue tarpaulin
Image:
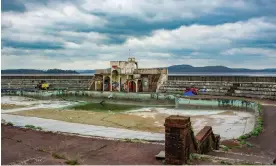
<point>189,93</point>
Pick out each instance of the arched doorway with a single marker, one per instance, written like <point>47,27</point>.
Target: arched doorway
<point>106,83</point>
<point>98,86</point>
<point>140,86</point>
<point>132,86</point>
<point>115,80</point>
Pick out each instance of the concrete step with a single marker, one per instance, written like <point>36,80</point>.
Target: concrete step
<point>228,158</point>
<point>197,83</point>
<point>239,158</point>
<point>269,93</point>
<point>259,85</point>
<point>196,86</point>
<point>257,89</point>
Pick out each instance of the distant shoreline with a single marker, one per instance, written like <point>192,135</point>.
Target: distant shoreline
<point>269,74</point>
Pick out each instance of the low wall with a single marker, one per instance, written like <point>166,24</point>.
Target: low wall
<point>226,103</point>
<point>95,94</point>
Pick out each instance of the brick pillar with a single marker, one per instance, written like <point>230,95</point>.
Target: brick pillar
<point>177,140</point>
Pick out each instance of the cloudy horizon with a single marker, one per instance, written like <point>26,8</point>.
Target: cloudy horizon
<point>83,34</point>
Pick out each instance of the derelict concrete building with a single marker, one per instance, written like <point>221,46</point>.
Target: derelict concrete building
<point>125,76</point>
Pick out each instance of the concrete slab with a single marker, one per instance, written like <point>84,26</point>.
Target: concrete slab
<point>82,129</point>
<point>160,155</point>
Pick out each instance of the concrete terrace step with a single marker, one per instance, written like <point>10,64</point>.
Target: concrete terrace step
<point>200,93</point>
<point>196,83</point>
<point>259,85</point>
<point>267,93</point>
<point>182,90</point>
<point>256,89</point>
<point>254,96</point>
<point>240,158</point>
<point>197,86</point>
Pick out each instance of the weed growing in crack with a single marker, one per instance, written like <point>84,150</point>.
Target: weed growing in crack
<point>3,121</point>
<point>57,156</point>
<point>133,140</point>
<point>33,127</point>
<point>42,150</point>
<point>9,124</point>
<point>72,162</point>
<point>39,128</point>
<point>225,148</point>
<point>225,163</point>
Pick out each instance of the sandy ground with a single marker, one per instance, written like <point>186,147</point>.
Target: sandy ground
<point>10,106</point>
<point>229,124</point>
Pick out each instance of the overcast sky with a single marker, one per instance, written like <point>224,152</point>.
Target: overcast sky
<point>87,34</point>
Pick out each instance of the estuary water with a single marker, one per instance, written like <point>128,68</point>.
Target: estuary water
<point>261,74</point>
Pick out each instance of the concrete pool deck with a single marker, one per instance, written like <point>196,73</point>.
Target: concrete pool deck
<point>82,129</point>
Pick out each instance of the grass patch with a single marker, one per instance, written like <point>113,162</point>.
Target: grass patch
<point>225,148</point>
<point>72,162</point>
<point>225,163</point>
<point>33,127</point>
<point>42,150</point>
<point>57,156</point>
<point>135,140</point>
<point>104,107</point>
<point>10,124</point>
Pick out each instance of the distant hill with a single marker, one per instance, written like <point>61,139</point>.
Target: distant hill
<point>86,71</point>
<point>172,69</point>
<point>34,71</point>
<point>213,69</point>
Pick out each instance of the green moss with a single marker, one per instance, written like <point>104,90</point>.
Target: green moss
<point>258,128</point>
<point>10,124</point>
<point>105,107</point>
